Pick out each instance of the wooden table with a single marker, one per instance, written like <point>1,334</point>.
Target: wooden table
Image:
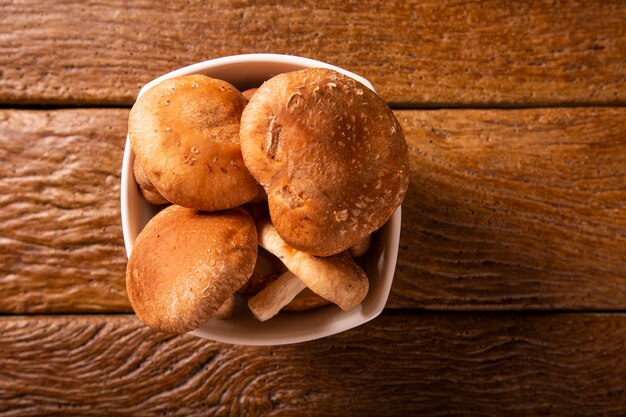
<point>510,292</point>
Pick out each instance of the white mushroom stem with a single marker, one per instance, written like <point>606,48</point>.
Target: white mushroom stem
<point>269,301</point>
<point>337,278</point>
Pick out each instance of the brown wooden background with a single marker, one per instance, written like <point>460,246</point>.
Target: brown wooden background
<point>510,292</point>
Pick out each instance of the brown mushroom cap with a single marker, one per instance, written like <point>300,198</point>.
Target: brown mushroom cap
<point>146,188</point>
<point>330,154</point>
<point>184,132</point>
<point>186,264</point>
<point>360,248</point>
<point>249,93</point>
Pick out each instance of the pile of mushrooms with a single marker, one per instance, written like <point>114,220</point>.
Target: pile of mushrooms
<point>307,166</point>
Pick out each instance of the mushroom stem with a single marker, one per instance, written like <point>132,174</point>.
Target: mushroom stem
<point>337,278</point>
<point>269,301</point>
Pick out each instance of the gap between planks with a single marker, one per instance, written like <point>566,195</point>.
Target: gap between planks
<point>387,312</point>
<point>393,106</point>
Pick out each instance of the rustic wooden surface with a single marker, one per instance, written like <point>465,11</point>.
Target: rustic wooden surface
<point>515,209</point>
<point>520,208</point>
<point>507,209</point>
<point>417,53</point>
<point>61,247</point>
<point>401,364</point>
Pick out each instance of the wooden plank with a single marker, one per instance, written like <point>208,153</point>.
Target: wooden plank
<point>521,209</point>
<point>511,209</point>
<point>61,247</point>
<point>399,364</point>
<point>417,53</point>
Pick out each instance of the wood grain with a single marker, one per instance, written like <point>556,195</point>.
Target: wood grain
<point>400,364</point>
<point>509,209</point>
<point>417,53</point>
<point>521,209</point>
<point>60,242</point>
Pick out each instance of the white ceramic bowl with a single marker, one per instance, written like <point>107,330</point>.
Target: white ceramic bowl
<point>246,71</point>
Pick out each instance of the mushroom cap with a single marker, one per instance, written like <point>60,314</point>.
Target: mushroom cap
<point>186,264</point>
<point>146,188</point>
<point>330,154</point>
<point>249,93</point>
<point>184,132</point>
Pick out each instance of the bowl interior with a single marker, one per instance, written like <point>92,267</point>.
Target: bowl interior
<point>247,71</point>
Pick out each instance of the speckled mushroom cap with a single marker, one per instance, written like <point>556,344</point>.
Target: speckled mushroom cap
<point>186,264</point>
<point>184,132</point>
<point>330,154</point>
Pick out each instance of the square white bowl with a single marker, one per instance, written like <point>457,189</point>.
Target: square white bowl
<point>247,71</point>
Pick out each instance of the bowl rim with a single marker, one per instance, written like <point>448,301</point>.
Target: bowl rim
<point>250,59</point>
<point>347,321</point>
<point>198,68</point>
